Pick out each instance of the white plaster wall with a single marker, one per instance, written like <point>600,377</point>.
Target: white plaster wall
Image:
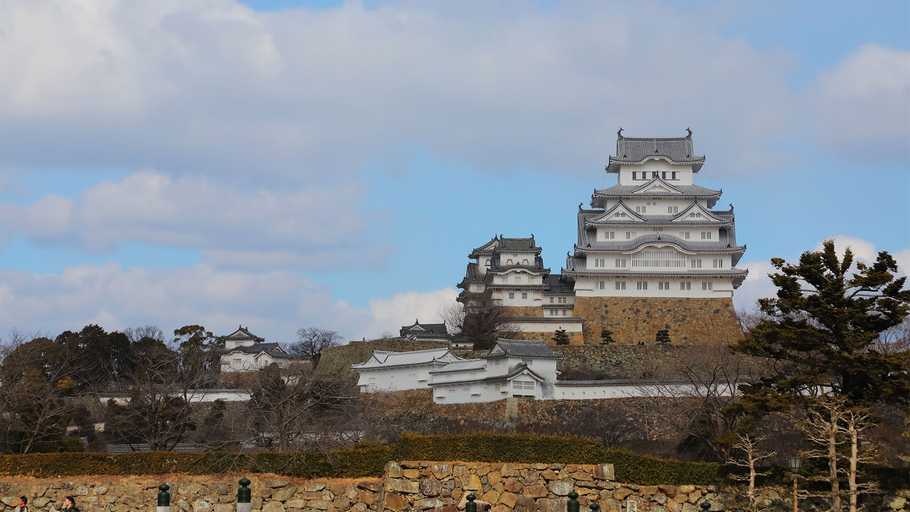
<point>683,172</point>
<point>394,379</point>
<point>721,287</point>
<point>516,257</point>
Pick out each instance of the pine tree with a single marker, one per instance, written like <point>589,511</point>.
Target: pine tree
<point>821,332</point>
<point>606,336</point>
<point>560,337</point>
<point>663,337</point>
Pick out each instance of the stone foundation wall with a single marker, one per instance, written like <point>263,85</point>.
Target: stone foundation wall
<point>525,311</point>
<point>635,320</point>
<point>575,338</point>
<point>216,493</point>
<point>408,486</point>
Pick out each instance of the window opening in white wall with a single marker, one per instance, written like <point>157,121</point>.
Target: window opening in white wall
<point>695,263</point>
<point>706,285</point>
<point>620,285</point>
<point>659,258</point>
<point>673,209</point>
<point>641,209</point>
<point>663,285</point>
<point>524,295</point>
<point>718,263</point>
<point>620,263</point>
<point>511,295</point>
<point>705,235</point>
<point>685,285</point>
<point>642,285</point>
<point>524,262</point>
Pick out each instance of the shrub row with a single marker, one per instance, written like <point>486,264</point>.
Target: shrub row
<point>369,460</point>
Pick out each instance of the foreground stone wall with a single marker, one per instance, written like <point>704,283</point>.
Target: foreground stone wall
<point>637,319</point>
<point>216,493</point>
<point>409,486</point>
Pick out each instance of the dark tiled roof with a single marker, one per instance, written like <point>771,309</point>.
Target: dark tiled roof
<point>634,150</point>
<point>519,369</point>
<point>522,348</point>
<point>555,284</point>
<point>272,349</point>
<point>243,333</point>
<point>501,243</point>
<point>418,329</point>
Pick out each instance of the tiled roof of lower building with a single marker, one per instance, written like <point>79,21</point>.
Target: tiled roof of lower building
<point>534,349</point>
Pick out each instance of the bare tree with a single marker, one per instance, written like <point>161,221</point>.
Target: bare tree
<point>832,422</point>
<point>751,454</point>
<point>485,320</point>
<point>287,411</point>
<point>311,341</point>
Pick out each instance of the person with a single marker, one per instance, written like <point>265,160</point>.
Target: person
<point>23,504</point>
<point>487,507</point>
<point>69,504</point>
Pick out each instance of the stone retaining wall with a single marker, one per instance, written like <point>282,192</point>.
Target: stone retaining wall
<point>407,486</point>
<point>637,319</point>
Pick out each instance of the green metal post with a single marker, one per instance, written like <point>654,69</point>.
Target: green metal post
<point>470,506</point>
<point>595,507</point>
<point>164,498</point>
<point>573,505</point>
<point>244,496</point>
<point>705,506</point>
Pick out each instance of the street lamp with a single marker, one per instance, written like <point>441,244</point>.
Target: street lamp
<point>795,464</point>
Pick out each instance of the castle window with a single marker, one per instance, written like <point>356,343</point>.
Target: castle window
<point>634,175</point>
<point>642,285</point>
<point>486,263</point>
<point>552,312</point>
<point>601,285</point>
<point>695,263</point>
<point>641,209</point>
<point>564,312</point>
<point>524,262</point>
<point>663,175</point>
<point>705,235</point>
<point>673,175</point>
<point>685,285</point>
<point>562,300</point>
<point>620,285</point>
<point>631,234</point>
<point>659,258</point>
<point>684,234</point>
<point>663,285</point>
<point>509,261</point>
<point>653,174</point>
<point>620,263</point>
<point>705,285</point>
<point>718,263</point>
<point>673,209</point>
<point>609,235</point>
<point>524,295</point>
<point>551,300</point>
<point>511,295</point>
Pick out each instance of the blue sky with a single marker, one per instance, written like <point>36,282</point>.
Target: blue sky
<point>285,164</point>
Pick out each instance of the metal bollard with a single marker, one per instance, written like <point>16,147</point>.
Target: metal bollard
<point>595,507</point>
<point>470,506</point>
<point>244,496</point>
<point>573,505</point>
<point>164,498</point>
<point>705,506</point>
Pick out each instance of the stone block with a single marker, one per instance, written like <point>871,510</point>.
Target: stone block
<point>369,485</point>
<point>508,499</point>
<point>561,487</point>
<point>621,493</point>
<point>430,487</point>
<point>393,470</point>
<point>431,503</point>
<point>394,502</point>
<point>274,484</point>
<point>440,470</point>
<point>224,507</point>
<point>647,490</point>
<point>494,477</point>
<point>313,486</point>
<point>491,497</point>
<point>552,504</point>
<point>471,483</point>
<point>512,485</point>
<point>410,473</point>
<point>284,493</point>
<point>402,485</point>
<point>317,505</point>
<point>204,506</point>
<point>549,474</point>
<point>604,472</point>
<point>536,491</point>
<point>525,504</point>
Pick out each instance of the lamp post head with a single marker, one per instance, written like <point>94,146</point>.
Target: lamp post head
<point>796,463</point>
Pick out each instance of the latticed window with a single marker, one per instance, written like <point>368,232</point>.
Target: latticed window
<point>657,258</point>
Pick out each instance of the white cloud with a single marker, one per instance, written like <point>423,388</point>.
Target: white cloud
<point>211,86</point>
<point>273,304</point>
<point>311,227</point>
<point>388,315</point>
<point>860,108</point>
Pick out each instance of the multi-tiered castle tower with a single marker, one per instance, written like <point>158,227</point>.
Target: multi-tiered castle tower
<point>651,255</point>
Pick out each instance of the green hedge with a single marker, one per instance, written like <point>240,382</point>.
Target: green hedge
<point>369,460</point>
